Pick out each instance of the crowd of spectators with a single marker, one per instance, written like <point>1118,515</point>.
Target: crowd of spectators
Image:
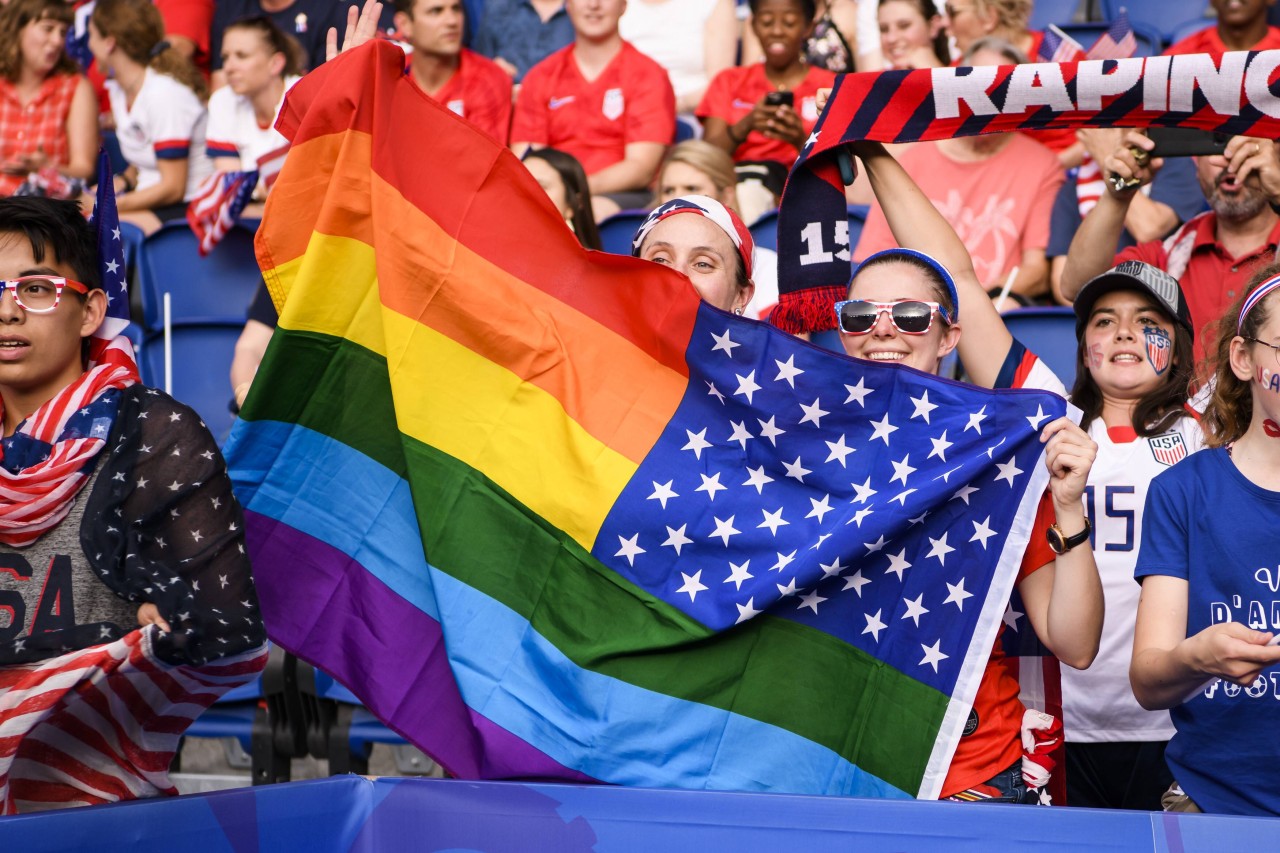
<point>593,95</point>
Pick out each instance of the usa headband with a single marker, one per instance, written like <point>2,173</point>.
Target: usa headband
<point>1254,298</point>
<point>703,206</point>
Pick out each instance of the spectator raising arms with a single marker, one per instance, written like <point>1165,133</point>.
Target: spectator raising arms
<point>693,39</point>
<point>562,179</point>
<point>518,34</point>
<point>997,192</point>
<point>156,100</point>
<point>261,64</point>
<point>767,111</point>
<point>48,117</point>
<point>465,82</point>
<point>602,101</point>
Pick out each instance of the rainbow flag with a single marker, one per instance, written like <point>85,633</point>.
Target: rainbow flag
<point>550,516</point>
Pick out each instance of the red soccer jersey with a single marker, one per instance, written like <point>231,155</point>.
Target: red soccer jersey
<point>995,741</point>
<point>594,120</point>
<point>1208,41</point>
<point>734,93</point>
<point>480,92</point>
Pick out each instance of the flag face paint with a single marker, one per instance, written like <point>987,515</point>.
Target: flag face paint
<point>1159,348</point>
<point>609,532</point>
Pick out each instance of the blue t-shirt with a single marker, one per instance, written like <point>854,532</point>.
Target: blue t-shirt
<point>1206,523</point>
<point>514,31</point>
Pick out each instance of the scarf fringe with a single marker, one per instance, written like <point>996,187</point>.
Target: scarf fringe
<point>807,310</point>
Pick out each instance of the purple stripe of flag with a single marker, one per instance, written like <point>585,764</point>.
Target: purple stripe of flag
<point>423,698</point>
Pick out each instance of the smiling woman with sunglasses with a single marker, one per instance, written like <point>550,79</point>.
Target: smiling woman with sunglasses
<point>907,305</point>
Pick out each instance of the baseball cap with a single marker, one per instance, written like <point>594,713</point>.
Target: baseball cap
<point>728,221</point>
<point>1135,275</point>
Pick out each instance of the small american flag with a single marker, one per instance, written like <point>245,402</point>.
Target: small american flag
<point>270,164</point>
<point>109,345</point>
<point>101,724</point>
<point>217,206</point>
<point>1057,46</point>
<point>77,41</point>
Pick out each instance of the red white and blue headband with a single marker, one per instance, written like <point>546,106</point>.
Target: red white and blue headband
<point>1257,296</point>
<point>729,221</point>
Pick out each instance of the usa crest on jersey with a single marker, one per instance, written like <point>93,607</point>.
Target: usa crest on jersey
<point>613,104</point>
<point>1159,350</point>
<point>1169,448</point>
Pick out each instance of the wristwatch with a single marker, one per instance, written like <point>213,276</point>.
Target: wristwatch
<point>1062,544</point>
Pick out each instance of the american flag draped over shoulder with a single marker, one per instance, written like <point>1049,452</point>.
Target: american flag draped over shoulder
<point>101,724</point>
<point>1232,93</point>
<point>218,204</point>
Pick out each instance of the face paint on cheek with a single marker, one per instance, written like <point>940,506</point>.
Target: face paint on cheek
<point>1268,380</point>
<point>1159,349</point>
<point>1093,356</point>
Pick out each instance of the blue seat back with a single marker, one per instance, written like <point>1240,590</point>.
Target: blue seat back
<point>1049,333</point>
<point>1046,12</point>
<point>764,231</point>
<point>616,231</point>
<point>215,289</point>
<point>1163,16</point>
<point>202,356</point>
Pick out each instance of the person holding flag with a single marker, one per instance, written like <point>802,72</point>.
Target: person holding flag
<point>123,543</point>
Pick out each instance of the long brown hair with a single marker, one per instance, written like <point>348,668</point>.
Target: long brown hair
<point>14,18</point>
<point>1230,409</point>
<point>138,29</point>
<point>577,194</point>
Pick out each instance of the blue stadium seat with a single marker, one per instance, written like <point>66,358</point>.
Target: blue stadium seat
<point>764,231</point>
<point>202,354</point>
<point>616,231</point>
<point>1150,39</point>
<point>1049,333</point>
<point>216,289</point>
<point>857,218</point>
<point>1163,16</point>
<point>1046,12</point>
<point>687,128</point>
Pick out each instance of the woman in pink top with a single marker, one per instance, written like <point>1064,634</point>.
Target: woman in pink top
<point>48,117</point>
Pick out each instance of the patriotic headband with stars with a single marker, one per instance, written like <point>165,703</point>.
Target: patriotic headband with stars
<point>711,209</point>
<point>1254,298</point>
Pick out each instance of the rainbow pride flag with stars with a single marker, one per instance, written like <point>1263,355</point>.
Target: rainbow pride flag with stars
<point>550,516</point>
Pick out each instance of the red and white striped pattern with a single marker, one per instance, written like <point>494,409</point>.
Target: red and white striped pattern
<point>217,205</point>
<point>101,724</point>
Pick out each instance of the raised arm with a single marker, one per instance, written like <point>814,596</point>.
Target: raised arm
<point>916,224</point>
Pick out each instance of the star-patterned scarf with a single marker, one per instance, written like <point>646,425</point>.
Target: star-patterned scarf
<point>49,458</point>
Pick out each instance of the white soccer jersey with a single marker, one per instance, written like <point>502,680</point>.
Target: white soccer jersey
<point>234,130</point>
<point>1098,702</point>
<point>166,122</point>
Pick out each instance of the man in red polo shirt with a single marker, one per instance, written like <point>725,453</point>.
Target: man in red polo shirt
<point>1242,25</point>
<point>464,81</point>
<point>602,101</point>
<point>1212,255</point>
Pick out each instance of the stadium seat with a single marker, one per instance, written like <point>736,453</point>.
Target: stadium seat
<point>202,354</point>
<point>1150,40</point>
<point>616,231</point>
<point>1163,16</point>
<point>687,128</point>
<point>857,218</point>
<point>1049,333</point>
<point>215,289</point>
<point>1046,12</point>
<point>764,231</point>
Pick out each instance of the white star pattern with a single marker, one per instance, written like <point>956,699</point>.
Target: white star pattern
<point>882,429</point>
<point>975,420</point>
<point>874,625</point>
<point>746,611</point>
<point>864,492</point>
<point>915,608</point>
<point>713,391</point>
<point>724,529</point>
<point>692,584</point>
<point>770,431</point>
<point>813,413</point>
<point>787,371</point>
<point>697,442</point>
<point>629,548</point>
<point>856,582</point>
<point>839,450</point>
<point>933,655</point>
<point>858,393</point>
<point>710,485</point>
<point>898,564</point>
<point>940,447</point>
<point>738,574</point>
<point>1011,617</point>
<point>676,538</point>
<point>773,520</point>
<point>902,470</point>
<point>1009,471</point>
<point>747,386</point>
<point>663,493</point>
<point>724,343</point>
<point>982,532</point>
<point>795,470</point>
<point>811,600</point>
<point>956,594</point>
<point>820,508</point>
<point>740,434</point>
<point>1038,418</point>
<point>939,548</point>
<point>830,570</point>
<point>922,406</point>
<point>963,493</point>
<point>757,477</point>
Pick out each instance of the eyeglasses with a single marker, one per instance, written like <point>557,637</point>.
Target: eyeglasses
<point>1275,350</point>
<point>40,294</point>
<point>909,316</point>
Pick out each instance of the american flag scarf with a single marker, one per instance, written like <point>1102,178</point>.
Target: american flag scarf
<point>48,459</point>
<point>1231,93</point>
<point>101,724</point>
